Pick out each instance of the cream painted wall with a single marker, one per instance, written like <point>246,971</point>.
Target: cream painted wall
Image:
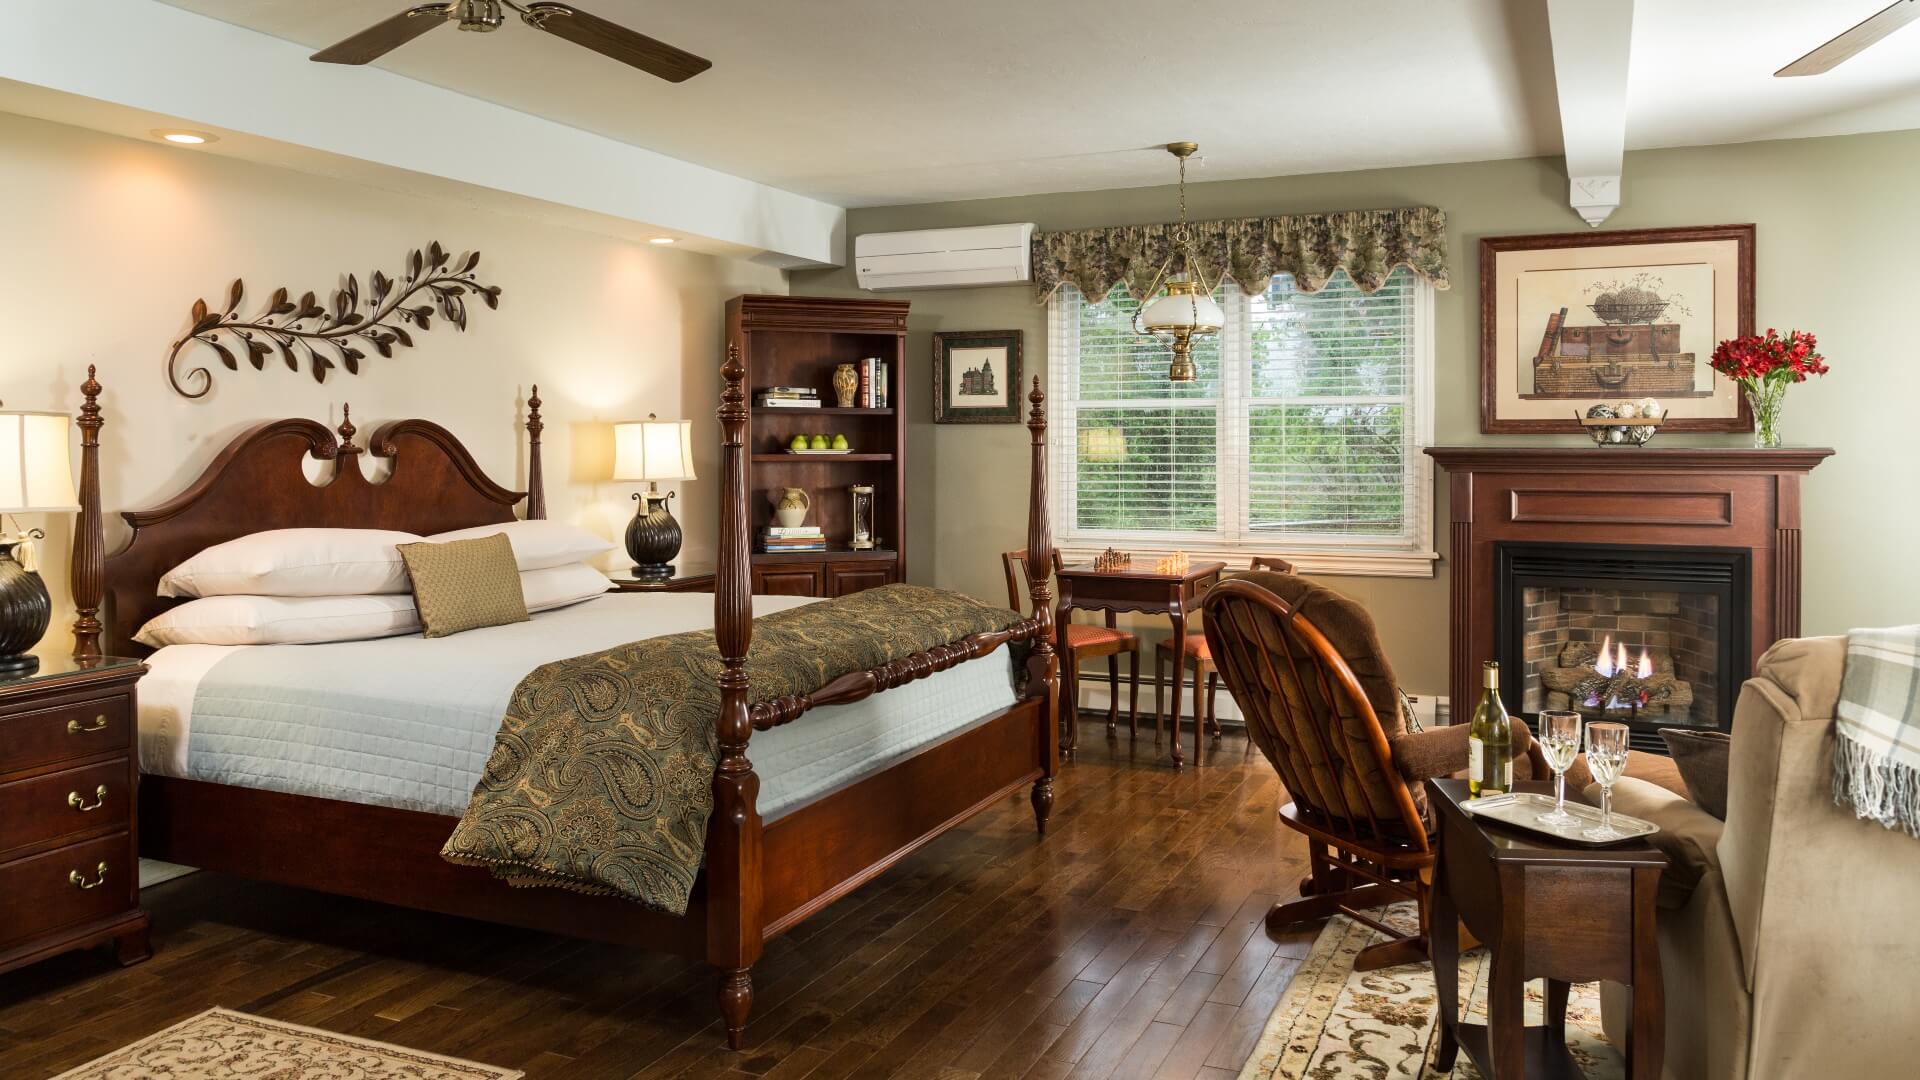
<point>1836,220</point>
<point>105,242</point>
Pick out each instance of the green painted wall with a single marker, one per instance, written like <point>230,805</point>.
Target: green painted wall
<point>1837,219</point>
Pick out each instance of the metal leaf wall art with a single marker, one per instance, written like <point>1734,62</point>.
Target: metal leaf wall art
<point>322,338</point>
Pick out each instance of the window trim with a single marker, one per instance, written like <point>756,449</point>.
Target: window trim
<point>1414,558</point>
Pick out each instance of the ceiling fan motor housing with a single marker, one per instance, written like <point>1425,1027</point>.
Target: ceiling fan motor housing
<point>482,16</point>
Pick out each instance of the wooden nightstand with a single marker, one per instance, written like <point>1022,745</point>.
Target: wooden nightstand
<point>687,577</point>
<point>69,864</point>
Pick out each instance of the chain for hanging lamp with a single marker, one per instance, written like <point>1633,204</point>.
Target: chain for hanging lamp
<point>1187,311</point>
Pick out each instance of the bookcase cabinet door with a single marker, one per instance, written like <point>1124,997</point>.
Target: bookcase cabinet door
<point>844,578</point>
<point>787,581</point>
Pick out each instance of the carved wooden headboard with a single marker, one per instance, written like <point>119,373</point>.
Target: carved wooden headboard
<point>257,483</point>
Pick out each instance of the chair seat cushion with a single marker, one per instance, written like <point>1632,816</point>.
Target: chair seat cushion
<point>1081,636</point>
<point>1196,646</point>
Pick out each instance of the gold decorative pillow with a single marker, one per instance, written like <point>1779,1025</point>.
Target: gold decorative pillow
<point>465,584</point>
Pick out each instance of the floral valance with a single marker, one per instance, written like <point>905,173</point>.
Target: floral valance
<point>1367,244</point>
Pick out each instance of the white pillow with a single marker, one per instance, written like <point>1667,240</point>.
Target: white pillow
<point>296,562</point>
<point>280,620</point>
<point>537,545</point>
<point>558,586</point>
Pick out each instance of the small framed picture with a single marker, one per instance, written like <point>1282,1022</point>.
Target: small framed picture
<point>1573,320</point>
<point>976,377</point>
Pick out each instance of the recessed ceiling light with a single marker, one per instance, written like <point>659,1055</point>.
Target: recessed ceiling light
<point>662,240</point>
<point>185,138</point>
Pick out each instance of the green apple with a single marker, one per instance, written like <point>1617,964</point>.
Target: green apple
<point>799,443</point>
<point>819,443</point>
<point>840,442</point>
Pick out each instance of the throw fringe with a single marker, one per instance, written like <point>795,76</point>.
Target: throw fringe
<point>1876,787</point>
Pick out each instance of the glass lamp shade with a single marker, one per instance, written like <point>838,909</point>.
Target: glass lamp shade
<point>653,450</point>
<point>36,465</point>
<point>1184,309</point>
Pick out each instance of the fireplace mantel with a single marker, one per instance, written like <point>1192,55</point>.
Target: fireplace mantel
<point>1708,497</point>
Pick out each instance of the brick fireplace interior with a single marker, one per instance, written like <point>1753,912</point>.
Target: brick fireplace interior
<point>1649,636</point>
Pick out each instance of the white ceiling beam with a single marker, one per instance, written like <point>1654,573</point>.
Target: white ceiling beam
<point>1592,41</point>
<point>207,73</point>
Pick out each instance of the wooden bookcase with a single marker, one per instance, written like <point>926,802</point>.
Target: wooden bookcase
<point>799,341</point>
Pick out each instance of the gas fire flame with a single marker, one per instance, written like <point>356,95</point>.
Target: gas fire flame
<point>1613,660</point>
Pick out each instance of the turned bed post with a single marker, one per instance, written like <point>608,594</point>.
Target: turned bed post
<point>734,837</point>
<point>536,484</point>
<point>87,575</point>
<point>1042,673</point>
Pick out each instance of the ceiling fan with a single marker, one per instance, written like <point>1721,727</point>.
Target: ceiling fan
<point>1853,42</point>
<point>561,20</point>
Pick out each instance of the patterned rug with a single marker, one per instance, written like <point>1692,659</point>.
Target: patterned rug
<point>220,1043</point>
<point>1334,1023</point>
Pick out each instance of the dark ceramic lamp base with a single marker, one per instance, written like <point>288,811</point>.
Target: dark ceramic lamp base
<point>653,537</point>
<point>25,611</point>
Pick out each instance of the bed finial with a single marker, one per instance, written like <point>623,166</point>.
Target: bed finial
<point>1042,669</point>
<point>87,574</point>
<point>536,481</point>
<point>346,430</point>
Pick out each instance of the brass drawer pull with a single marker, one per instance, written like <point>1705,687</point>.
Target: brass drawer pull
<point>99,722</point>
<point>99,878</point>
<point>99,799</point>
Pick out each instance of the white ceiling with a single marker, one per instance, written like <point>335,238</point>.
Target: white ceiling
<point>870,102</point>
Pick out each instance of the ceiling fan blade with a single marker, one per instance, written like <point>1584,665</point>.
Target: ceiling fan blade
<point>610,39</point>
<point>383,37</point>
<point>1853,42</point>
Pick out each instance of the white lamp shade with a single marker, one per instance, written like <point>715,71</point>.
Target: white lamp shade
<point>653,450</point>
<point>1184,311</point>
<point>36,464</point>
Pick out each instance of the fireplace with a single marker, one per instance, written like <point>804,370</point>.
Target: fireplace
<point>1647,635</point>
<point>1689,556</point>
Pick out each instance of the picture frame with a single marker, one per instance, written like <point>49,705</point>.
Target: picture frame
<point>976,377</point>
<point>1573,320</point>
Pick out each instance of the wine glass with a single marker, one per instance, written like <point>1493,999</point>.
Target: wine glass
<point>1560,742</point>
<point>1607,757</point>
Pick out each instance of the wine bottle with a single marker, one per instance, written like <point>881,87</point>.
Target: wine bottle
<point>1490,740</point>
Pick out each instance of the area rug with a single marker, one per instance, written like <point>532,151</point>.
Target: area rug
<point>221,1043</point>
<point>1334,1023</point>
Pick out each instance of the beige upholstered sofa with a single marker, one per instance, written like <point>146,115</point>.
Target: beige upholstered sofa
<point>1790,936</point>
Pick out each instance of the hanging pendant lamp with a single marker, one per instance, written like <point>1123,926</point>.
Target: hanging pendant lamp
<point>1188,310</point>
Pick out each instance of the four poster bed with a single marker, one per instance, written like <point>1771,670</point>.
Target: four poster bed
<point>761,876</point>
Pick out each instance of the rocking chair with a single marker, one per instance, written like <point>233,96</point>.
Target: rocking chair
<point>1306,668</point>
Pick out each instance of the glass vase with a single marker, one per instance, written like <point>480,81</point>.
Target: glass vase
<point>1765,397</point>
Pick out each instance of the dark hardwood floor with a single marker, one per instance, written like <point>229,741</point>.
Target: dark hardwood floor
<point>1128,943</point>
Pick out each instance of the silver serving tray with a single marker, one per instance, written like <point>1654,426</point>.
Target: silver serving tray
<point>1523,810</point>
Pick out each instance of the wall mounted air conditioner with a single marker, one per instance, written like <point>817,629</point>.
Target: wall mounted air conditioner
<point>944,258</point>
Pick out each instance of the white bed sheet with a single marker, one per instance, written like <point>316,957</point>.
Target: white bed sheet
<point>797,763</point>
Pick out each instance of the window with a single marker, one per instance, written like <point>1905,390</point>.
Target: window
<point>1302,437</point>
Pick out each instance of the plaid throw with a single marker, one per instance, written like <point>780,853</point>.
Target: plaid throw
<point>1876,758</point>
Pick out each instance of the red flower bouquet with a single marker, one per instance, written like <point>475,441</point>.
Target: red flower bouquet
<point>1764,367</point>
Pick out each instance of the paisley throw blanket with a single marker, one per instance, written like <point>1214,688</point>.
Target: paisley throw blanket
<point>601,779</point>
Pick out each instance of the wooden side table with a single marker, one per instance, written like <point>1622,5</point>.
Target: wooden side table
<point>69,872</point>
<point>1544,910</point>
<point>687,577</point>
<point>1136,588</point>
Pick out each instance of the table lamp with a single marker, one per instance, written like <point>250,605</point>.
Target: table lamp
<point>653,450</point>
<point>36,477</point>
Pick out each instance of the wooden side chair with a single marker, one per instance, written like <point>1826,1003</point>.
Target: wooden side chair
<point>1321,702</point>
<point>1084,642</point>
<point>1200,659</point>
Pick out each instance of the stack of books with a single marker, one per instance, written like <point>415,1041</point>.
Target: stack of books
<point>873,383</point>
<point>787,397</point>
<point>792,538</point>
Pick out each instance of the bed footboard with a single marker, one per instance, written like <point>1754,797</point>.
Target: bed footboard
<point>917,799</point>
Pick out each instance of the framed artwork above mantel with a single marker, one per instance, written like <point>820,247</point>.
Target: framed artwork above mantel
<point>1573,320</point>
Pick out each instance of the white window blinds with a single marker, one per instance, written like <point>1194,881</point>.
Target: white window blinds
<point>1301,438</point>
